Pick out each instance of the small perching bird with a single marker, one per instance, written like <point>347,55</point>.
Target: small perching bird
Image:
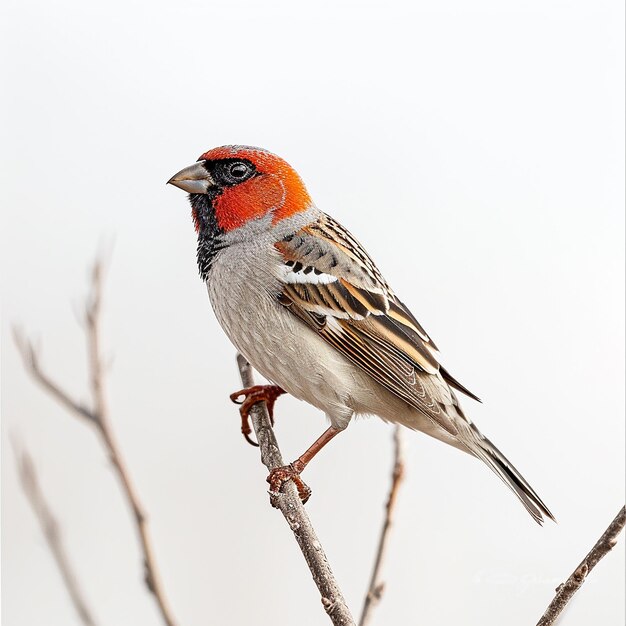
<point>300,298</point>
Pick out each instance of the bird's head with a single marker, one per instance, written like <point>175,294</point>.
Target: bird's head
<point>232,185</point>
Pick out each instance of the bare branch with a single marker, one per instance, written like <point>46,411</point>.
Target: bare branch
<point>151,574</point>
<point>99,415</point>
<point>288,501</point>
<point>566,591</point>
<point>377,586</point>
<point>30,357</point>
<point>50,527</point>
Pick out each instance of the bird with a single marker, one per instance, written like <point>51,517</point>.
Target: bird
<point>305,304</point>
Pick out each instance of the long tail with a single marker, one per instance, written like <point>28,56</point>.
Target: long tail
<point>481,447</point>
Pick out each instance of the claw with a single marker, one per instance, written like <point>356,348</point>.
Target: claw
<point>280,475</point>
<point>246,435</point>
<point>252,395</point>
<point>234,397</point>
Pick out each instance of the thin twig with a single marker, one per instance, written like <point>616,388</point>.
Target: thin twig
<point>99,416</point>
<point>566,591</point>
<point>288,501</point>
<point>30,357</point>
<point>377,586</point>
<point>50,528</point>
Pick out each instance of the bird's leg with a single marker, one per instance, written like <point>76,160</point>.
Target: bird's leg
<point>252,395</point>
<point>280,475</point>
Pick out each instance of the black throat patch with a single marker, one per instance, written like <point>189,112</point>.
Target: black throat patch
<point>209,231</point>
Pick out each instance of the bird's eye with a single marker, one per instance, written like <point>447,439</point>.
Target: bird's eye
<point>232,172</point>
<point>239,171</point>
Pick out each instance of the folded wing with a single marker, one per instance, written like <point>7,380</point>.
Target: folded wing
<point>333,286</point>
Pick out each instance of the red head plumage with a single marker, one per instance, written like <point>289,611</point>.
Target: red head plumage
<point>273,186</point>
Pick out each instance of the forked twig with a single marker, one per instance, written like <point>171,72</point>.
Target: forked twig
<point>98,415</point>
<point>50,528</point>
<point>288,501</point>
<point>566,591</point>
<point>377,586</point>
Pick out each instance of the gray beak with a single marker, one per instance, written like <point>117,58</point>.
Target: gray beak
<point>193,179</point>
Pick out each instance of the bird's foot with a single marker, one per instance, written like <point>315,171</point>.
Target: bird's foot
<point>280,475</point>
<point>252,395</point>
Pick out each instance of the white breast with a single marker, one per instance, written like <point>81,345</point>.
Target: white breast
<point>243,293</point>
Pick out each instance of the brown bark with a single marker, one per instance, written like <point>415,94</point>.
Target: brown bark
<point>565,592</point>
<point>377,586</point>
<point>289,504</point>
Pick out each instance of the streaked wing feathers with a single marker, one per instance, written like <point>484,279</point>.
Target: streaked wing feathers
<point>348,303</point>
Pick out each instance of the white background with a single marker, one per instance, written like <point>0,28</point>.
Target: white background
<point>475,148</point>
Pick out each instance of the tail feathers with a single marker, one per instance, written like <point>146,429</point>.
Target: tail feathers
<point>500,465</point>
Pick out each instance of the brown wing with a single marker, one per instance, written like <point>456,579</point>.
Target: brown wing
<point>333,286</point>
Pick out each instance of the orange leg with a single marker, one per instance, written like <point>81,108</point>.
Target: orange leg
<point>252,395</point>
<point>280,475</point>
